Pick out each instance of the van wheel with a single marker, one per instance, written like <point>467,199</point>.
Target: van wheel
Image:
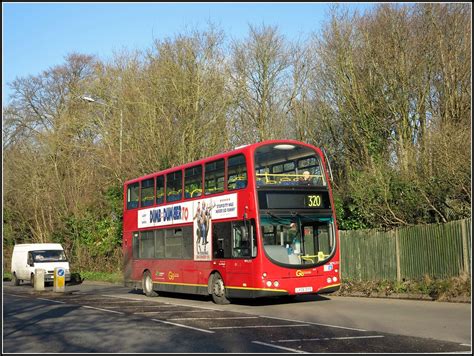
<point>32,280</point>
<point>147,285</point>
<point>218,290</point>
<point>15,280</point>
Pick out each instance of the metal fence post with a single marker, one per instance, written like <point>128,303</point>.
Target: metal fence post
<point>465,250</point>
<point>397,252</point>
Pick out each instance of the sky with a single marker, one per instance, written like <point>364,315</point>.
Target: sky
<point>38,36</point>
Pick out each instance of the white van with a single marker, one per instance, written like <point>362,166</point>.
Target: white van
<point>28,257</point>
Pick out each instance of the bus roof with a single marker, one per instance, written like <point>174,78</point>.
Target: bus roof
<point>237,150</point>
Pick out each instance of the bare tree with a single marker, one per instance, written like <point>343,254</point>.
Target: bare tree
<point>260,69</point>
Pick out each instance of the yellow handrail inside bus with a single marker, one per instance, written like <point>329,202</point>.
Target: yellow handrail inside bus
<point>196,190</point>
<point>273,178</point>
<point>312,258</point>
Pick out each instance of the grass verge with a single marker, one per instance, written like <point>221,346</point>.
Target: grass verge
<point>437,289</point>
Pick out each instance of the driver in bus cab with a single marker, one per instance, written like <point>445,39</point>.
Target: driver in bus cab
<point>294,238</point>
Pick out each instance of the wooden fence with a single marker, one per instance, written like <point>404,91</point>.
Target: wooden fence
<point>437,250</point>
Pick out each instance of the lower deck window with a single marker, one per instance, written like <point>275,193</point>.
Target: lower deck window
<point>174,243</point>
<point>234,239</point>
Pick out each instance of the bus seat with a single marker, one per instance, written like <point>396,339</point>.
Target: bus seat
<point>187,195</point>
<point>241,184</point>
<point>173,195</point>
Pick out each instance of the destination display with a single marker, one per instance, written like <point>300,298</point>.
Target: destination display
<point>293,200</point>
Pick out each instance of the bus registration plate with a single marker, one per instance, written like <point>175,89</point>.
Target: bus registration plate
<point>303,289</point>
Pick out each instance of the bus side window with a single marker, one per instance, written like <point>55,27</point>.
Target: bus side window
<point>135,245</point>
<point>193,182</point>
<point>222,247</point>
<point>236,172</point>
<point>159,243</point>
<point>160,189</point>
<point>132,195</point>
<point>147,244</point>
<point>174,186</point>
<point>147,192</point>
<point>242,236</point>
<point>214,177</point>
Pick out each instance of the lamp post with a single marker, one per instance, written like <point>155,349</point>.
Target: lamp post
<point>101,102</point>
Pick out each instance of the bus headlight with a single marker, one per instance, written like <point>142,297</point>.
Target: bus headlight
<point>334,279</point>
<point>269,283</point>
<point>276,284</point>
<point>328,280</point>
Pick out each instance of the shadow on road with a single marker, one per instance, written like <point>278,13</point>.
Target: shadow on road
<point>243,301</point>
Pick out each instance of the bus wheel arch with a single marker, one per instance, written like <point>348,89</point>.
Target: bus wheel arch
<point>147,284</point>
<point>216,288</point>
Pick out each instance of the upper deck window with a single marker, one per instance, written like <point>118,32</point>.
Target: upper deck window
<point>147,192</point>
<point>174,186</point>
<point>214,177</point>
<point>236,172</point>
<point>288,164</point>
<point>160,189</point>
<point>132,195</point>
<point>193,182</point>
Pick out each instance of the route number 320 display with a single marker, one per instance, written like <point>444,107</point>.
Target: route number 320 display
<point>313,201</point>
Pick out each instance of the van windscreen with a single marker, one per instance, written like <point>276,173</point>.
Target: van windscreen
<point>49,256</point>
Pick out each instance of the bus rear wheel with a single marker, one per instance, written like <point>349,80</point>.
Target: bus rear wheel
<point>218,290</point>
<point>147,285</point>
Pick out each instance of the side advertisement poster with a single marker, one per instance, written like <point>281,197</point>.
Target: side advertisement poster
<point>200,212</point>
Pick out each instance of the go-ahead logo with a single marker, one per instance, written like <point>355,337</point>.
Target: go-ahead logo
<point>300,273</point>
<point>172,275</point>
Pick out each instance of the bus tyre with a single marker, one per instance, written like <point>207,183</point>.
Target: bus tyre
<point>15,280</point>
<point>147,285</point>
<point>218,290</point>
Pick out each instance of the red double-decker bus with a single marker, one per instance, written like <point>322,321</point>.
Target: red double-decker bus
<point>253,222</point>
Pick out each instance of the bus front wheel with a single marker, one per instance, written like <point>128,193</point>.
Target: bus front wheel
<point>218,290</point>
<point>147,285</point>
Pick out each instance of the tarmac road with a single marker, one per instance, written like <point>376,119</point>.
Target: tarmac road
<point>94,317</point>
